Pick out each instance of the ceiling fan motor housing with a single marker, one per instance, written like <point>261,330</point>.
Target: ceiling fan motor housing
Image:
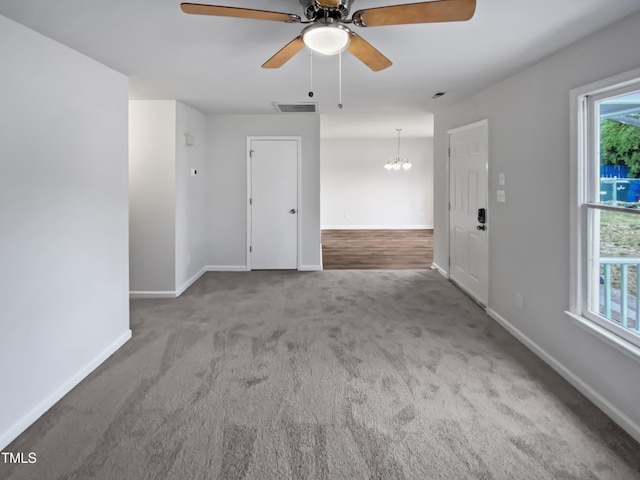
<point>337,9</point>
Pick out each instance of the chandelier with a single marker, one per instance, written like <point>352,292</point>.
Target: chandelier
<point>398,162</point>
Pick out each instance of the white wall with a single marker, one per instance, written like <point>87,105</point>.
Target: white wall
<point>358,192</point>
<point>63,216</point>
<point>192,242</point>
<point>529,235</point>
<point>227,171</point>
<point>152,195</point>
<point>168,206</point>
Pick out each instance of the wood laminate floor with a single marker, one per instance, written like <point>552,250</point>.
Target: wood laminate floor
<point>377,249</point>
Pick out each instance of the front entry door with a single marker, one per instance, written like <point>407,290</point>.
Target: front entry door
<point>273,192</point>
<point>468,245</point>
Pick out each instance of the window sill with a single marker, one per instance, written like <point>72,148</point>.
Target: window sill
<point>607,337</point>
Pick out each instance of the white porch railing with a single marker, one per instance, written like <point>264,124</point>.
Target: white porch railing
<point>618,304</point>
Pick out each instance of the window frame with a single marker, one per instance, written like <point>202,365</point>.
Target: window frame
<point>584,174</point>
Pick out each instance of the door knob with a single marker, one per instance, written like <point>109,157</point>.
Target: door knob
<point>481,227</point>
<point>292,211</point>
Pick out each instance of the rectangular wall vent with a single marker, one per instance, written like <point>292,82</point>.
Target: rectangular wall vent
<point>296,107</point>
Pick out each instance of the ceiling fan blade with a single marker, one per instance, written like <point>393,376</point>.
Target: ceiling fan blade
<point>285,53</point>
<point>424,12</point>
<point>367,54</point>
<point>218,11</point>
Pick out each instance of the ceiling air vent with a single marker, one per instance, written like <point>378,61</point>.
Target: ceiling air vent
<point>296,107</point>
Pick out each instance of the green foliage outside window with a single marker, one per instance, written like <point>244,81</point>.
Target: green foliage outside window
<point>620,145</point>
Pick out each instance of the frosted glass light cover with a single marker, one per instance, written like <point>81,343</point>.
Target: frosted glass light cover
<point>327,40</point>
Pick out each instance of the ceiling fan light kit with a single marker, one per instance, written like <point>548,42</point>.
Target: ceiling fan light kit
<point>327,38</point>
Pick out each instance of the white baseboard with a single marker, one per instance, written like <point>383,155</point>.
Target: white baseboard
<point>227,268</point>
<point>377,227</point>
<point>631,427</point>
<point>191,281</point>
<point>310,268</point>
<point>442,271</point>
<point>169,293</point>
<point>152,294</point>
<point>21,425</point>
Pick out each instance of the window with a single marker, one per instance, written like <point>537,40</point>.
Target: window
<point>605,209</point>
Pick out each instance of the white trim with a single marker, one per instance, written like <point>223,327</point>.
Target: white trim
<point>191,281</point>
<point>36,412</point>
<point>613,208</point>
<point>579,124</point>
<point>582,178</point>
<point>298,140</point>
<point>152,294</point>
<point>608,337</point>
<point>310,268</point>
<point>577,183</point>
<point>248,200</point>
<point>377,227</point>
<point>469,126</point>
<point>587,390</point>
<point>442,271</point>
<point>176,293</point>
<point>616,82</point>
<point>228,268</point>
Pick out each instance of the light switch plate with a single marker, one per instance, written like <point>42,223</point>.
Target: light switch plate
<point>502,196</point>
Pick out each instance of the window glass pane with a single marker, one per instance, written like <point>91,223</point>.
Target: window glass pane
<point>619,150</point>
<point>615,264</point>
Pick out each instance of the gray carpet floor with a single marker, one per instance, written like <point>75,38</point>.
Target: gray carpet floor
<point>323,375</point>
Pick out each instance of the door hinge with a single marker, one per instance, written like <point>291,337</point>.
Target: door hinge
<point>251,201</point>
<point>251,153</point>
<point>449,206</point>
<point>449,152</point>
<point>449,261</point>
<point>250,249</point>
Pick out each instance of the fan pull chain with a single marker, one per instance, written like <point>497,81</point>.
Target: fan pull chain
<point>310,73</point>
<point>340,80</point>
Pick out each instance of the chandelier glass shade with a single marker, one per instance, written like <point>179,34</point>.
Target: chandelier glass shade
<point>326,38</point>
<point>398,162</point>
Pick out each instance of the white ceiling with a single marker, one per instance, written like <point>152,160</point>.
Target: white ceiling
<point>213,63</point>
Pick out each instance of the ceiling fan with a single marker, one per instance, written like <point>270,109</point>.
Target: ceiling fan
<point>327,31</point>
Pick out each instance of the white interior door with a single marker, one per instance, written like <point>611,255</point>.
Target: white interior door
<point>468,245</point>
<point>273,204</point>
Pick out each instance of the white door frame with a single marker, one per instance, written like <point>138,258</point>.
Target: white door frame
<point>451,132</point>
<point>298,140</point>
